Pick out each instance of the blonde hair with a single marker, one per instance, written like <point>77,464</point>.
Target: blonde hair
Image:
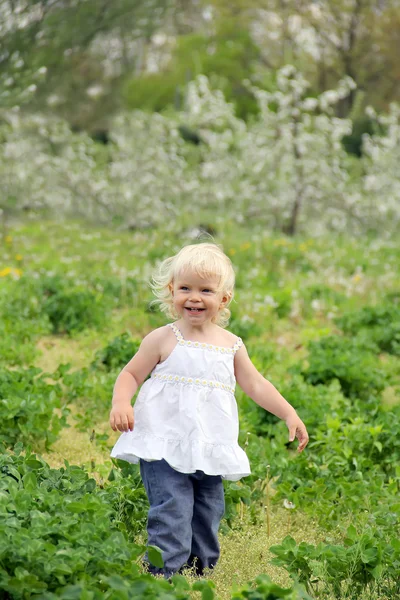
<point>205,259</point>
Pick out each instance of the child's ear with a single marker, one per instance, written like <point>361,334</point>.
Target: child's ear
<point>171,288</point>
<point>224,300</point>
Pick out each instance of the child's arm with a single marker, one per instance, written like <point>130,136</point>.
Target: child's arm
<point>267,396</point>
<point>131,377</point>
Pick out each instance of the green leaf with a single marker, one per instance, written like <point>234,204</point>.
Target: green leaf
<point>155,556</point>
<point>117,583</point>
<point>21,573</point>
<point>18,448</point>
<point>207,594</point>
<point>72,592</point>
<point>32,463</point>
<point>30,482</point>
<point>90,485</point>
<point>236,487</point>
<point>205,587</point>
<point>377,571</point>
<point>76,507</point>
<point>395,543</point>
<point>352,533</point>
<point>180,582</point>
<point>368,555</point>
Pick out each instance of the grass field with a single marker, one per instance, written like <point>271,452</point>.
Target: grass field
<point>321,320</point>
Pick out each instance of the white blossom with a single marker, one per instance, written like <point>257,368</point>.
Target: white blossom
<point>246,170</point>
<point>94,91</point>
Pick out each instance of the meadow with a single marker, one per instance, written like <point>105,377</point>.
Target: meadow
<point>320,317</point>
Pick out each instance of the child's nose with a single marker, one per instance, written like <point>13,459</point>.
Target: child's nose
<point>194,296</point>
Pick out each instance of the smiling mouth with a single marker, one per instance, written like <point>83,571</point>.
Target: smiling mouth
<point>194,310</point>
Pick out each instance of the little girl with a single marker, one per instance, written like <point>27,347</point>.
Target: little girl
<point>185,431</point>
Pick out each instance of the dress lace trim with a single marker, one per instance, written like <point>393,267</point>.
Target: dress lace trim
<point>204,345</point>
<point>194,381</point>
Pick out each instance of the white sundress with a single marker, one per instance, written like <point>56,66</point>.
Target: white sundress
<point>186,413</point>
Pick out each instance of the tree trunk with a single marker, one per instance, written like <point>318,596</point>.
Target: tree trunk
<point>291,227</point>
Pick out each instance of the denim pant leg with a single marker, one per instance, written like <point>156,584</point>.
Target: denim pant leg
<point>208,511</point>
<point>169,522</point>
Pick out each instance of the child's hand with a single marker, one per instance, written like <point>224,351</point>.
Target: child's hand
<point>121,417</point>
<point>297,429</point>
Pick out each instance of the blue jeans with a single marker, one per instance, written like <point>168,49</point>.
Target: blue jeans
<point>184,516</point>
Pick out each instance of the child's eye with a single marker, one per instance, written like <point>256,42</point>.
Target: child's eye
<point>207,290</point>
<point>183,287</point>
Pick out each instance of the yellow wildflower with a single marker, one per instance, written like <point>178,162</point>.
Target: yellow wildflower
<point>303,247</point>
<point>18,257</point>
<point>232,251</point>
<point>10,271</point>
<point>245,246</point>
<point>8,239</point>
<point>356,277</point>
<point>281,242</point>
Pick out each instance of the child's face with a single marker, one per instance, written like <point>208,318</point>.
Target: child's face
<point>196,299</point>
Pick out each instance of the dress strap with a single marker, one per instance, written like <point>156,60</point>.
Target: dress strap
<point>239,343</point>
<point>177,332</point>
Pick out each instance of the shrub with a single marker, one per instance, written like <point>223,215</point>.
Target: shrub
<point>313,403</point>
<point>126,493</point>
<point>264,589</point>
<point>284,300</point>
<point>18,340</point>
<point>117,353</point>
<point>53,304</point>
<point>120,292</point>
<point>22,322</point>
<point>90,390</point>
<point>352,363</point>
<point>28,407</point>
<point>62,535</point>
<point>379,324</point>
<point>75,309</point>
<point>244,328</point>
<point>344,571</point>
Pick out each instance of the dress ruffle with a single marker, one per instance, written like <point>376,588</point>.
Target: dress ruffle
<point>184,455</point>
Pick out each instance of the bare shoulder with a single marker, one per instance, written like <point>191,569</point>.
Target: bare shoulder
<point>157,336</point>
<point>228,338</point>
<point>148,355</point>
<point>162,339</point>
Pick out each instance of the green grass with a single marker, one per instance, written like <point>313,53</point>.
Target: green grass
<point>310,282</point>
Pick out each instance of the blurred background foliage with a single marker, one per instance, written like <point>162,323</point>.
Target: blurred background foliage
<point>85,60</point>
<point>282,110</point>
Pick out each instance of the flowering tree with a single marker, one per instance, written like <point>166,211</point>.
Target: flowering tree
<point>147,170</point>
<point>43,165</point>
<point>286,168</point>
<point>299,149</point>
<point>288,165</point>
<point>381,160</point>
